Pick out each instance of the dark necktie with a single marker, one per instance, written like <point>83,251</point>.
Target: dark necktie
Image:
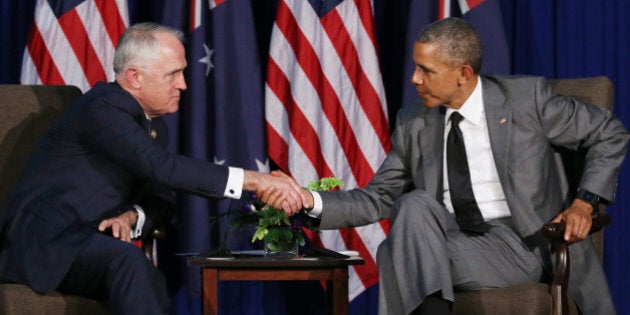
<point>467,212</point>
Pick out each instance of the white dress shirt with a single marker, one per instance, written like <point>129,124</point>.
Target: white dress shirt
<point>483,170</point>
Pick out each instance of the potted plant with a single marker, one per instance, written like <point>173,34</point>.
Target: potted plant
<point>282,235</point>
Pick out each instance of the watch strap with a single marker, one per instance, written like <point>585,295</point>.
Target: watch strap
<point>589,197</point>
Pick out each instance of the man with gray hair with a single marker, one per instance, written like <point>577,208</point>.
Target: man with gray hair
<point>99,178</point>
<point>471,179</point>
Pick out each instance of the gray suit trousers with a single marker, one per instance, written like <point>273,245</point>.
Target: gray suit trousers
<point>426,252</point>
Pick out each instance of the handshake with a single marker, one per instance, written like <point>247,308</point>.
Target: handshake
<point>278,190</point>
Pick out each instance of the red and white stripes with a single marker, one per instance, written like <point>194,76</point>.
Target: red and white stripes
<point>325,109</point>
<point>75,48</point>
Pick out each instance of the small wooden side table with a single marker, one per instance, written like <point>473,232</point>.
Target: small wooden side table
<point>333,270</point>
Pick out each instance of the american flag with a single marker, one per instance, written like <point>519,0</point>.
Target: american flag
<point>73,41</point>
<point>326,112</point>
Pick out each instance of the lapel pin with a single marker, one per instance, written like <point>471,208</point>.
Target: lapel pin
<point>153,134</point>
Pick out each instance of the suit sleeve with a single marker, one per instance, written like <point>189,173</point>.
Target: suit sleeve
<point>359,207</point>
<point>585,128</point>
<point>115,134</point>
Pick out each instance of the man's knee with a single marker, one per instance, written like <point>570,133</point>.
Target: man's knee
<point>417,205</point>
<point>131,260</point>
<point>383,255</point>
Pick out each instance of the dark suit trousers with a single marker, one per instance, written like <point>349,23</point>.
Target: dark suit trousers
<point>108,268</point>
<point>426,252</point>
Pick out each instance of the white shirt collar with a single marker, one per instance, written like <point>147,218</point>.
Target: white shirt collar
<point>472,109</point>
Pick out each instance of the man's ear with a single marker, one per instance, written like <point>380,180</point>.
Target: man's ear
<point>465,74</point>
<point>132,75</point>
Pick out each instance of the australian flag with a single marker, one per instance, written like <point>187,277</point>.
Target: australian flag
<point>484,15</point>
<point>220,120</point>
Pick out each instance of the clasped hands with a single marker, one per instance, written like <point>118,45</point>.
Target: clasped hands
<point>278,190</point>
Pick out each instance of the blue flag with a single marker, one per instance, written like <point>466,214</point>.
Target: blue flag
<point>487,18</point>
<point>420,14</point>
<point>220,120</point>
<point>484,15</point>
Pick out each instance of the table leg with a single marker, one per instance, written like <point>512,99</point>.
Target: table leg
<point>210,291</point>
<point>340,291</point>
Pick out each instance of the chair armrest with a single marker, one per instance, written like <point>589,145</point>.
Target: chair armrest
<point>555,231</point>
<point>157,233</point>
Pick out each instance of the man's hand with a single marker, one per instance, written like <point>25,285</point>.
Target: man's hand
<point>277,190</point>
<point>308,196</point>
<point>577,219</point>
<point>120,225</point>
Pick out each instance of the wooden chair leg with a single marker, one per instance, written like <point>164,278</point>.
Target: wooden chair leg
<point>559,300</point>
<point>560,284</point>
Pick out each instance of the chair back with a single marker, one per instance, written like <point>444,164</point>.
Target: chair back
<point>593,90</point>
<point>26,112</point>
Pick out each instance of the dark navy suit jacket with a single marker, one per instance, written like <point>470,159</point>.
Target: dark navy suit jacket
<point>94,163</point>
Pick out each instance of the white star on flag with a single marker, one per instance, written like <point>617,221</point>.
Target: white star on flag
<point>207,59</point>
<point>218,162</point>
<point>263,167</point>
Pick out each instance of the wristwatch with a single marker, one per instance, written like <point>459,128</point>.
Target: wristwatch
<point>589,197</point>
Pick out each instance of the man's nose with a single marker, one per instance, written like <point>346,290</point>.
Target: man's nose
<point>416,78</point>
<point>181,83</point>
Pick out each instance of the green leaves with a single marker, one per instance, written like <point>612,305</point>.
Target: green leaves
<point>275,226</point>
<point>325,184</point>
<point>269,220</point>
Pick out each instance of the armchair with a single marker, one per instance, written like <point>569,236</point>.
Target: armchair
<point>25,114</point>
<point>543,298</point>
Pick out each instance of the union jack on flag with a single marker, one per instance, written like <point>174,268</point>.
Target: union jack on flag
<point>72,42</point>
<point>444,10</point>
<point>326,112</point>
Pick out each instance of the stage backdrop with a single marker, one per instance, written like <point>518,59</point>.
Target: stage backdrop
<point>228,50</point>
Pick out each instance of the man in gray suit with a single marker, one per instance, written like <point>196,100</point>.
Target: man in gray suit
<point>510,126</point>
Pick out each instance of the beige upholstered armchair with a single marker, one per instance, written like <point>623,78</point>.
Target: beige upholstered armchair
<point>543,298</point>
<point>25,114</point>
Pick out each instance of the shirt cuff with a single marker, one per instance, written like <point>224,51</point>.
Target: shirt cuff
<point>234,187</point>
<point>137,231</point>
<point>316,212</point>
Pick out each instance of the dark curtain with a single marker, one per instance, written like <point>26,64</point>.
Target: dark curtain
<point>556,39</point>
<point>574,38</point>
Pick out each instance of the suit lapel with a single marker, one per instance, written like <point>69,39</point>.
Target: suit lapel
<point>499,121</point>
<point>432,145</point>
<point>431,138</point>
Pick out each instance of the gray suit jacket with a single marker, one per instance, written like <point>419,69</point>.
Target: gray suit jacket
<point>525,122</point>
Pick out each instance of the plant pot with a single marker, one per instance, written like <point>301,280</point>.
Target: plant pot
<point>281,248</point>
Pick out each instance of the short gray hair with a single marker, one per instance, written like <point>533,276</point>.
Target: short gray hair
<point>457,41</point>
<point>139,41</point>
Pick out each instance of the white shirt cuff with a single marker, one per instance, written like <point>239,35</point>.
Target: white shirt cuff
<point>234,187</point>
<point>316,212</point>
<point>137,231</point>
